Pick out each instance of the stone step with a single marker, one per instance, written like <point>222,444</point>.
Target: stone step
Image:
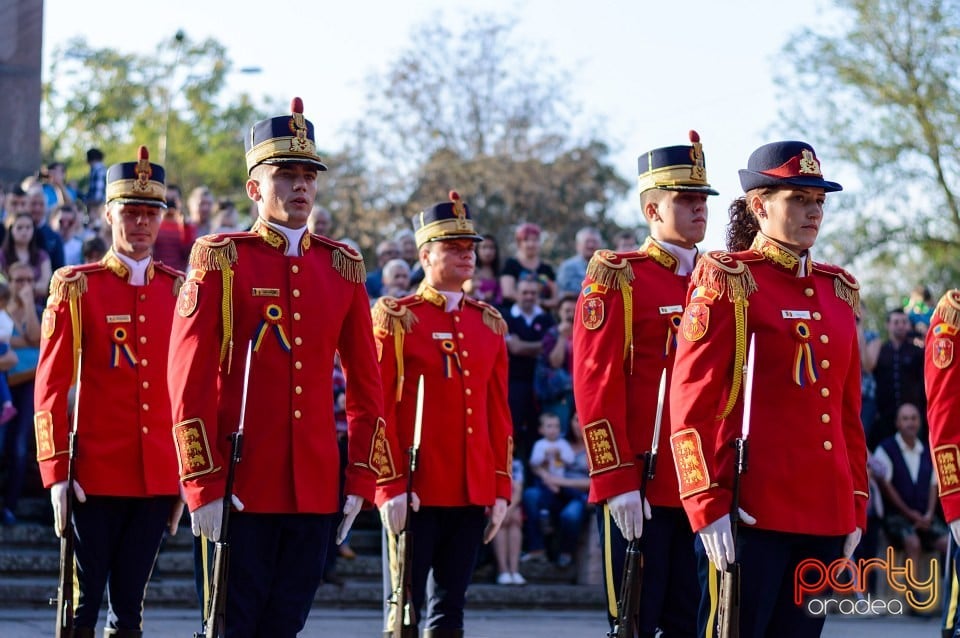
<point>179,592</point>
<point>178,563</point>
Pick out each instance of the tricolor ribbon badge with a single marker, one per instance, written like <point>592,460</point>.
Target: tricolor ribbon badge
<point>121,349</point>
<point>451,358</point>
<point>672,328</point>
<point>272,316</point>
<point>803,362</point>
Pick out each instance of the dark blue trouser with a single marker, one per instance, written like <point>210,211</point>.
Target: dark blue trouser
<point>116,541</point>
<point>949,625</point>
<point>445,545</point>
<point>276,563</point>
<point>768,562</point>
<point>568,507</point>
<point>668,590</point>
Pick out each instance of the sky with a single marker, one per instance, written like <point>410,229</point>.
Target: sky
<point>649,70</point>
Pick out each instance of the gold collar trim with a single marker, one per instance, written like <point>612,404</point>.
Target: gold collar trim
<point>660,254</point>
<point>431,295</point>
<point>277,240</point>
<point>115,265</point>
<point>779,254</point>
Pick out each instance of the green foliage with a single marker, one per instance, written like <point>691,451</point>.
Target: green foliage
<point>481,113</point>
<point>170,101</point>
<point>880,91</point>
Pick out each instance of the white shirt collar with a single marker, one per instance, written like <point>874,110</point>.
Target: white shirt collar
<point>138,269</point>
<point>686,256</point>
<point>453,299</point>
<point>293,235</point>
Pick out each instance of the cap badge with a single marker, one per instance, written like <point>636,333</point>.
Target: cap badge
<point>809,164</point>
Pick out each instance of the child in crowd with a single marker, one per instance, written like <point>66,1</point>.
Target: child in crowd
<point>508,541</point>
<point>551,453</point>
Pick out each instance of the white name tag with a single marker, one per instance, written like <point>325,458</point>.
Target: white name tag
<point>443,335</point>
<point>669,310</point>
<point>795,314</point>
<point>118,318</point>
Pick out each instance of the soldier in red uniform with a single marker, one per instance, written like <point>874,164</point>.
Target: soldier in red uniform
<point>107,327</point>
<point>466,455</point>
<point>942,381</point>
<point>299,298</point>
<point>625,336</point>
<point>805,491</point>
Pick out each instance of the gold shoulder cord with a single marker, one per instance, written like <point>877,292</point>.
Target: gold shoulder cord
<point>726,274</point>
<point>603,270</point>
<point>213,254</point>
<point>392,318</point>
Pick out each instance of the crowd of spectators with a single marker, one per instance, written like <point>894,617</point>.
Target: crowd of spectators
<point>48,223</point>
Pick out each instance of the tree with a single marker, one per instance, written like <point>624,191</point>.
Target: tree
<point>476,111</point>
<point>169,101</point>
<point>881,93</point>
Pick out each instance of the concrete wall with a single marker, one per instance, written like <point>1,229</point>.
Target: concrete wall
<point>21,35</point>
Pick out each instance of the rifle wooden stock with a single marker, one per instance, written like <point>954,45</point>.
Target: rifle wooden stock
<point>64,599</point>
<point>215,625</point>
<point>404,613</point>
<point>728,616</point>
<point>628,602</point>
<point>729,613</point>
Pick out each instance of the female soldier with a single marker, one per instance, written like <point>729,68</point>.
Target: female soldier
<point>805,493</point>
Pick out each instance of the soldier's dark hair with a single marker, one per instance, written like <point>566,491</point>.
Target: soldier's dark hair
<point>743,225</point>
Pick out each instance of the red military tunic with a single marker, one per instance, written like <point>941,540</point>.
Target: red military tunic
<point>941,375</point>
<point>618,367</point>
<point>807,457</point>
<point>466,449</point>
<point>124,416</point>
<point>298,311</point>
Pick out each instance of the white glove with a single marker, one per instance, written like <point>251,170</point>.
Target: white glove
<point>628,511</point>
<point>393,513</point>
<point>497,513</point>
<point>58,498</point>
<point>206,519</point>
<point>851,541</point>
<point>955,530</point>
<point>351,507</point>
<point>717,539</point>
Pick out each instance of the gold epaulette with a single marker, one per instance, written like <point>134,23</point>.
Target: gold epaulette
<point>730,273</point>
<point>67,284</point>
<point>609,269</point>
<point>213,252</point>
<point>491,316</point>
<point>177,275</point>
<point>390,317</point>
<point>844,284</point>
<point>726,273</point>
<point>219,252</point>
<point>948,308</point>
<point>346,261</point>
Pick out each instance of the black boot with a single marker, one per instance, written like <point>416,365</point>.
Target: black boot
<point>443,632</point>
<point>84,632</point>
<point>110,632</point>
<point>408,632</point>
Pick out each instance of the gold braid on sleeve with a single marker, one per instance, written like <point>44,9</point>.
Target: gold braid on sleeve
<point>948,308</point>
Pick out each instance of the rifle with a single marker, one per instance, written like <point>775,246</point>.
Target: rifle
<point>65,593</point>
<point>216,624</point>
<point>628,602</point>
<point>728,617</point>
<point>405,615</point>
